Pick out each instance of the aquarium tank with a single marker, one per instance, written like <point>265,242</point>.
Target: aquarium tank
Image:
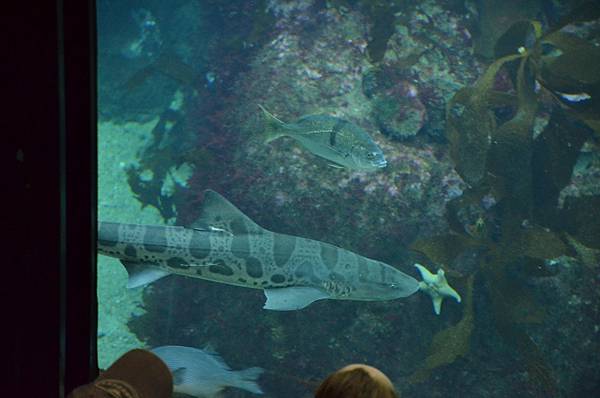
<point>286,187</point>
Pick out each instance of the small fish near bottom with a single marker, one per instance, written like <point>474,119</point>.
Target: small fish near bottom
<point>203,373</point>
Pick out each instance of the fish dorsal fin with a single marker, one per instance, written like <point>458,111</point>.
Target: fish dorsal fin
<point>209,350</point>
<point>218,214</point>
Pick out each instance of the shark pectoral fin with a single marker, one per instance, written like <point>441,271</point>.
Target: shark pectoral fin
<point>142,274</point>
<point>292,298</point>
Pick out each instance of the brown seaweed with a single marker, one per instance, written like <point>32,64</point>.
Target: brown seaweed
<point>522,226</point>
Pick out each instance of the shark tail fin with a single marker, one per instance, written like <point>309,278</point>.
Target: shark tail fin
<point>274,128</point>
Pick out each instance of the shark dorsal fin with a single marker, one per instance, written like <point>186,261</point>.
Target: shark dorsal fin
<point>218,214</point>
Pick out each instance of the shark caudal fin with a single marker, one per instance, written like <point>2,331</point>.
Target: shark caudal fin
<point>274,128</point>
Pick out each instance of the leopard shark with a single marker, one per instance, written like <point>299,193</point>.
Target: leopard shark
<point>224,245</point>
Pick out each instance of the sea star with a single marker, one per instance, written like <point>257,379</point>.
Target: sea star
<point>436,286</point>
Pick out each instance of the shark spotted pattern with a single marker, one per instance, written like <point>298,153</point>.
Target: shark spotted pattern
<point>226,246</point>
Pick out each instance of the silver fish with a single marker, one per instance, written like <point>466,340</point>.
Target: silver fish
<point>203,373</point>
<point>226,246</point>
<point>341,142</point>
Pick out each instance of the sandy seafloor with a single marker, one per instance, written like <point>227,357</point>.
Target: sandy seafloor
<point>118,145</point>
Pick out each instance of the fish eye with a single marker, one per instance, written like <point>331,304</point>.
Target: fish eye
<point>371,155</point>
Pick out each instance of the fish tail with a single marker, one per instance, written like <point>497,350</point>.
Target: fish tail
<point>247,379</point>
<point>274,127</point>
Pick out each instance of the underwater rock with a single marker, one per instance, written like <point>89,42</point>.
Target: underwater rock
<point>430,50</point>
<point>400,115</point>
<point>395,102</point>
<point>281,184</point>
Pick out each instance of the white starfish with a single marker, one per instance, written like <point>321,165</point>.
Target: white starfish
<point>436,286</point>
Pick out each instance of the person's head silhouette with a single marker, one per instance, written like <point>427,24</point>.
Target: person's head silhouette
<point>356,381</point>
